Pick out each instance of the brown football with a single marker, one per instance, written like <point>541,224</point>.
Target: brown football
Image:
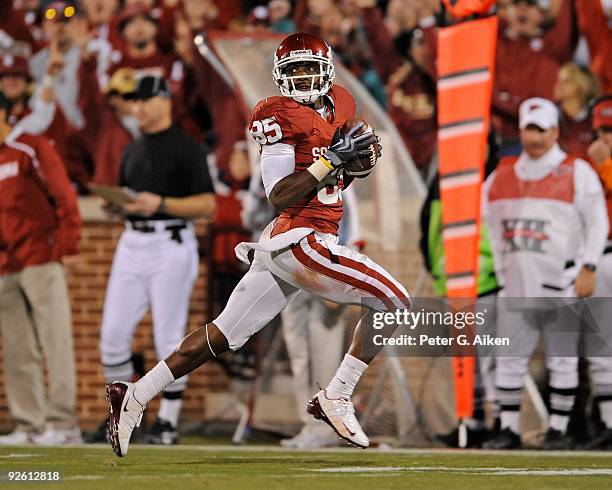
<point>360,167</point>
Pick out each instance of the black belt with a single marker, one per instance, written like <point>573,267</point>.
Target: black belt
<point>174,228</point>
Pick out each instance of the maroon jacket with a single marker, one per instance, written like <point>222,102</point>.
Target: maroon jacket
<point>597,30</point>
<point>520,73</point>
<point>575,135</point>
<point>412,98</point>
<point>228,117</point>
<point>105,135</point>
<point>39,215</point>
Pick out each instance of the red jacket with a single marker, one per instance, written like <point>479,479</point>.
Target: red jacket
<point>39,216</point>
<point>597,30</point>
<point>412,98</point>
<point>520,73</point>
<point>106,137</point>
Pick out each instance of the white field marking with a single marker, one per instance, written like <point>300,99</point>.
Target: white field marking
<point>568,472</point>
<point>84,477</point>
<point>19,455</point>
<point>362,469</point>
<point>493,471</point>
<point>372,450</point>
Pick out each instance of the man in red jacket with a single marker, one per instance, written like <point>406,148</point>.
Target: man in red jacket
<point>39,233</point>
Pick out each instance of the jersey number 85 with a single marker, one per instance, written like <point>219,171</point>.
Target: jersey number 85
<point>266,131</point>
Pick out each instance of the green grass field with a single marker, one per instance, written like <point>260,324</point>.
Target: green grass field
<point>266,467</point>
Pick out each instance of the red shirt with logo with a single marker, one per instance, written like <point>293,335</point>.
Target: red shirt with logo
<point>39,215</point>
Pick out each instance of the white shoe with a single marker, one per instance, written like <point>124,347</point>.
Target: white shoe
<point>59,437</point>
<point>319,436</point>
<point>339,414</point>
<point>293,442</point>
<point>125,415</point>
<point>16,438</point>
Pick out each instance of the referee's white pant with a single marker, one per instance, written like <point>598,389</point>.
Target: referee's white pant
<point>150,270</point>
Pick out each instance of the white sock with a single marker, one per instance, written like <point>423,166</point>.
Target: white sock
<point>153,383</point>
<point>346,378</point>
<point>558,422</point>
<point>169,410</point>
<point>605,411</point>
<point>511,419</point>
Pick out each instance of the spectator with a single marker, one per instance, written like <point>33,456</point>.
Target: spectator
<point>595,22</point>
<point>206,90</point>
<point>258,20</point>
<point>102,35</point>
<point>549,25</point>
<point>520,71</point>
<point>547,219</point>
<point>600,364</point>
<point>200,14</point>
<point>114,126</point>
<point>411,89</point>
<point>600,155</point>
<point>204,15</point>
<point>280,20</point>
<point>138,29</point>
<point>39,230</point>
<point>15,30</point>
<point>60,60</point>
<point>574,89</point>
<point>31,115</point>
<point>156,262</point>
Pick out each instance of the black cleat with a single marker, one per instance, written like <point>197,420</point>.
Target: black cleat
<point>602,442</point>
<point>162,433</point>
<point>475,438</point>
<point>506,439</point>
<point>99,435</point>
<point>555,440</point>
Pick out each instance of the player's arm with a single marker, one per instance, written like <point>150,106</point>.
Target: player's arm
<point>291,188</point>
<point>284,187</point>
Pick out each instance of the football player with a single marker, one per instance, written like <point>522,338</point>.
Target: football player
<point>303,151</point>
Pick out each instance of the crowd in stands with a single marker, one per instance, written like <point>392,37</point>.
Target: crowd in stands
<point>87,51</point>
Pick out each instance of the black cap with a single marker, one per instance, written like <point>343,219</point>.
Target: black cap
<point>151,86</point>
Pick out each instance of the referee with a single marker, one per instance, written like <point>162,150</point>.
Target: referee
<point>156,261</point>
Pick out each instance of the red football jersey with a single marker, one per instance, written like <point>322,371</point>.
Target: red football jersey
<point>282,120</point>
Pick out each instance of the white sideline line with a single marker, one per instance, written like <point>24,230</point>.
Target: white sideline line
<point>19,455</point>
<point>494,471</point>
<point>347,450</point>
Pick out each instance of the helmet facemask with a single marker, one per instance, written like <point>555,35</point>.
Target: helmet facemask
<point>289,84</point>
